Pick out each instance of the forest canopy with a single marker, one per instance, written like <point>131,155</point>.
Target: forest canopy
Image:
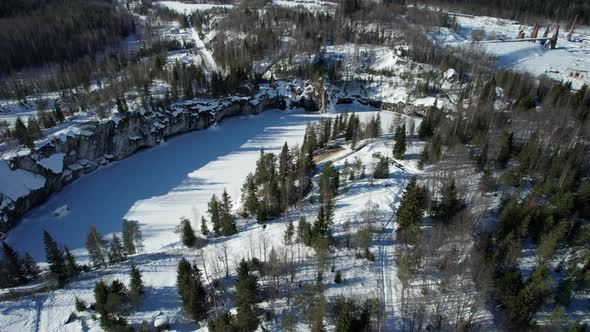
<point>36,32</point>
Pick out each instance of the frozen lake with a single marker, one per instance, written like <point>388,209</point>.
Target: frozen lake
<point>159,185</point>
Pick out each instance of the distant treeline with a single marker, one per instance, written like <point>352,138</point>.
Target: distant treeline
<point>36,32</point>
<point>522,10</point>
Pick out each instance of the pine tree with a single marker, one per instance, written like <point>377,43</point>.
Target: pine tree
<point>424,157</point>
<point>227,222</point>
<point>187,234</point>
<point>329,182</point>
<point>30,268</point>
<point>136,288</point>
<point>249,195</point>
<point>72,269</point>
<point>289,232</point>
<point>191,290</point>
<point>505,149</point>
<point>245,298</point>
<point>411,209</point>
<point>215,213</point>
<point>116,253</point>
<point>11,263</point>
<point>55,259</point>
<point>132,237</point>
<point>59,114</point>
<point>284,161</point>
<point>204,228</point>
<point>21,133</point>
<point>399,149</point>
<point>382,168</point>
<point>33,127</point>
<point>96,246</point>
<point>450,203</point>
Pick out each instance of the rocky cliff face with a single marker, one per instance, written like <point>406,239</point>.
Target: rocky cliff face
<point>61,160</point>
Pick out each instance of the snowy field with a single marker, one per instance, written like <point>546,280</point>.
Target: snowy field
<point>188,8</point>
<point>311,5</point>
<point>560,63</point>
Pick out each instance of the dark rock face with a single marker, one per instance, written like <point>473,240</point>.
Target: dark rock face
<point>99,143</point>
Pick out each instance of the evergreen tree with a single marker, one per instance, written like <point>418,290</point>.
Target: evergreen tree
<point>96,246</point>
<point>191,290</point>
<point>289,232</point>
<point>30,268</point>
<point>132,237</point>
<point>55,259</point>
<point>329,182</point>
<point>424,157</point>
<point>33,127</point>
<point>187,234</point>
<point>11,264</point>
<point>505,149</point>
<point>245,298</point>
<point>72,269</point>
<point>284,161</point>
<point>136,288</point>
<point>59,114</point>
<point>227,222</point>
<point>450,203</point>
<point>204,228</point>
<point>399,149</point>
<point>21,133</point>
<point>382,168</point>
<point>215,213</point>
<point>116,253</point>
<point>411,209</point>
<point>249,195</point>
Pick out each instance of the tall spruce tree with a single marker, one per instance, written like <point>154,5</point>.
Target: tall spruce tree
<point>249,195</point>
<point>97,247</point>
<point>245,298</point>
<point>55,259</point>
<point>214,211</point>
<point>72,269</point>
<point>136,288</point>
<point>410,212</point>
<point>132,237</point>
<point>228,224</point>
<point>116,253</point>
<point>11,266</point>
<point>399,149</point>
<point>191,290</point>
<point>187,234</point>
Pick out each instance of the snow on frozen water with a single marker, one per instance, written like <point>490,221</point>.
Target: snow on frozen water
<point>18,183</point>
<point>159,185</point>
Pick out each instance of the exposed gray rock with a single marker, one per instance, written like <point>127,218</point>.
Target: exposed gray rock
<point>102,142</point>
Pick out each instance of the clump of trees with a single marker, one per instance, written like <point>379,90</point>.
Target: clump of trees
<point>16,269</point>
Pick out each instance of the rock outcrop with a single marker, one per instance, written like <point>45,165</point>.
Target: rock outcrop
<point>83,148</point>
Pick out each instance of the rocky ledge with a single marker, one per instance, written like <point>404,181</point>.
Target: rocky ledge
<point>28,178</point>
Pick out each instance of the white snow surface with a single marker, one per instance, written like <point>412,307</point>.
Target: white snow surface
<point>177,178</point>
<point>189,8</point>
<point>18,183</point>
<point>524,56</point>
<point>54,163</point>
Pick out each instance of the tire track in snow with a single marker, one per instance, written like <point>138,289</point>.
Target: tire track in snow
<point>388,267</point>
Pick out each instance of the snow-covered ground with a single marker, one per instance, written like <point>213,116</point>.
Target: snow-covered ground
<point>189,8</point>
<point>158,186</point>
<point>311,5</point>
<point>562,63</point>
